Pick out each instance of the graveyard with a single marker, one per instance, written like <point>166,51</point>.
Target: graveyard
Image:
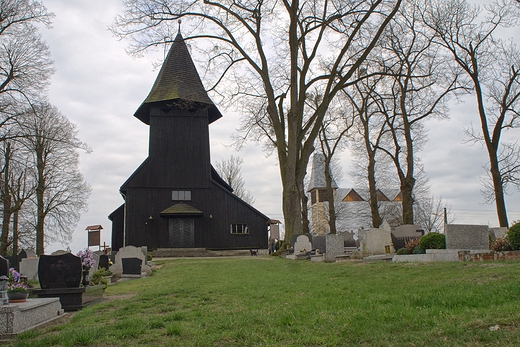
<point>272,301</point>
<point>66,281</point>
<point>49,286</point>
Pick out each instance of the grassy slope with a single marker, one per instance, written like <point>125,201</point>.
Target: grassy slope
<point>277,302</point>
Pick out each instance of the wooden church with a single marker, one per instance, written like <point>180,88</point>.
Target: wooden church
<point>175,198</point>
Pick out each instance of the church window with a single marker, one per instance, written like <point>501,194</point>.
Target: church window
<point>239,229</point>
<point>181,195</point>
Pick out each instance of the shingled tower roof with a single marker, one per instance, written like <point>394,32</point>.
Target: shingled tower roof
<point>178,80</point>
<point>318,173</point>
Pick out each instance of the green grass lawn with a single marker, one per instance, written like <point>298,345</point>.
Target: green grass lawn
<point>269,301</point>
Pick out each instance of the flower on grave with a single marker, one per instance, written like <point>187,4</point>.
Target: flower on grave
<point>87,259</point>
<point>14,283</point>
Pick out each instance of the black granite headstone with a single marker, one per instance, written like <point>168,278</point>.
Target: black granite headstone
<point>131,266</point>
<point>59,271</point>
<point>4,266</point>
<point>318,242</point>
<point>13,262</point>
<point>22,254</point>
<point>103,261</point>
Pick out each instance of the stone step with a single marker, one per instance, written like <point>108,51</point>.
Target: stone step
<point>202,252</point>
<point>180,252</point>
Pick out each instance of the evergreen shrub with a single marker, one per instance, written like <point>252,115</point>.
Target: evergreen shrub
<point>432,241</point>
<point>513,236</point>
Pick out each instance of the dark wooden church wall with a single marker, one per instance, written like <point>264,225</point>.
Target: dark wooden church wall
<point>189,157</point>
<point>227,209</point>
<point>118,225</point>
<point>210,232</point>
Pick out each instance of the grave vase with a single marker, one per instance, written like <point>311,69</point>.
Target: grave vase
<point>86,278</point>
<point>15,297</point>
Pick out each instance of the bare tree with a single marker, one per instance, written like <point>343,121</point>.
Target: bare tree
<point>275,53</point>
<point>25,64</point>
<point>60,191</point>
<point>15,190</point>
<point>335,128</point>
<point>419,84</point>
<point>231,171</point>
<point>370,131</point>
<point>493,70</point>
<point>432,213</point>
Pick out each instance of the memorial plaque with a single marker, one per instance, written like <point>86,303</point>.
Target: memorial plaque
<point>131,266</point>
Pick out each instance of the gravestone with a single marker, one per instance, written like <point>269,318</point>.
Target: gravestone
<point>348,239</point>
<point>60,252</point>
<point>59,271</point>
<point>29,253</point>
<point>132,266</point>
<point>499,232</point>
<point>373,241</point>
<point>334,247</point>
<point>144,249</point>
<point>318,242</point>
<point>466,236</point>
<point>129,252</point>
<point>60,276</point>
<point>4,266</point>
<point>302,244</point>
<point>403,234</point>
<point>103,261</point>
<point>95,257</point>
<point>29,268</point>
<point>15,260</point>
<point>408,230</point>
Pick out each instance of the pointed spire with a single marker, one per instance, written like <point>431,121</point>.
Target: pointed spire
<point>318,173</point>
<point>177,79</point>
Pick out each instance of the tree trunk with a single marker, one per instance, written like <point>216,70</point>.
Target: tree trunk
<point>371,173</point>
<point>15,232</point>
<point>500,200</point>
<point>305,211</point>
<point>291,210</point>
<point>330,196</point>
<point>492,148</point>
<point>40,190</point>
<point>6,202</point>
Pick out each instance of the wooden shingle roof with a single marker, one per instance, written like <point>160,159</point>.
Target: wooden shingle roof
<point>178,80</point>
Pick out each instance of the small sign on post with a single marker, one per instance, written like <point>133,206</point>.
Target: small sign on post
<point>94,235</point>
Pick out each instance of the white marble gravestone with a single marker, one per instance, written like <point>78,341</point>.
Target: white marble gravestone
<point>302,245</point>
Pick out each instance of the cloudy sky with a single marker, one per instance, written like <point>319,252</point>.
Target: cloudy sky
<point>99,87</point>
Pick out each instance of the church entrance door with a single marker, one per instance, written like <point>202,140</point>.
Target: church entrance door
<point>181,232</point>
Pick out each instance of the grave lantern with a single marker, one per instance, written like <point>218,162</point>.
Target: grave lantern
<point>3,289</point>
